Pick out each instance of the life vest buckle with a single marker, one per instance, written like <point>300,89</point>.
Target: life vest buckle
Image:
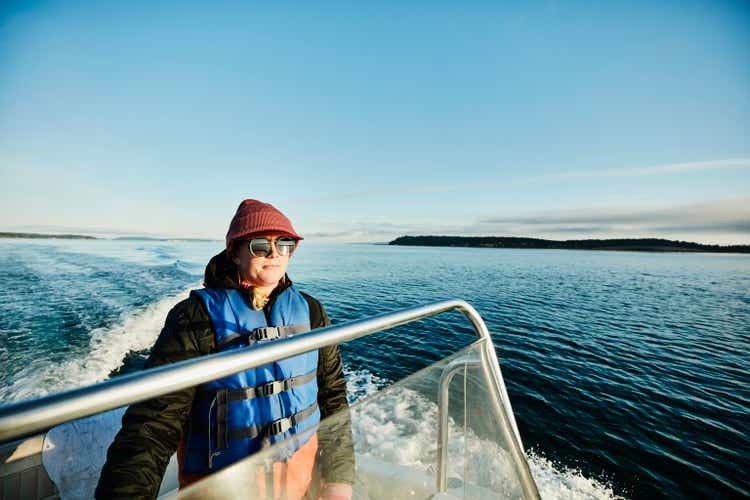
<point>279,426</point>
<point>270,388</point>
<point>265,333</point>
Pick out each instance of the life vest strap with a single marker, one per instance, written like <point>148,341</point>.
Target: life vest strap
<point>276,427</point>
<point>222,411</point>
<point>271,388</point>
<point>263,333</point>
<point>259,391</point>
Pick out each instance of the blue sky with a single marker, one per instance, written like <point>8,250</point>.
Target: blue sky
<point>363,122</point>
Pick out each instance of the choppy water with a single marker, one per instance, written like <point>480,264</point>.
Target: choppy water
<point>627,371</point>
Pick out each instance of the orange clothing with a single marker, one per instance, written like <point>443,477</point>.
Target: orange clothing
<point>291,479</point>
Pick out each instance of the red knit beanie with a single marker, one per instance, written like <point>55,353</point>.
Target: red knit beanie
<point>254,217</point>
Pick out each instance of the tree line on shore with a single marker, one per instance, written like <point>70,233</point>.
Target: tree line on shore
<point>637,244</point>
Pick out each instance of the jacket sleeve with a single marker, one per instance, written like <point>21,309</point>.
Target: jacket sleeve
<point>151,430</point>
<point>336,450</point>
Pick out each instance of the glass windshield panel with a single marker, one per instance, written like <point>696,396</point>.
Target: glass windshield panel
<point>396,439</point>
<point>396,443</point>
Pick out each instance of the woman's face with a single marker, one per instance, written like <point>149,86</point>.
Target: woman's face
<point>261,271</point>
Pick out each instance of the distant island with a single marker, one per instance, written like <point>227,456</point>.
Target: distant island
<point>40,236</point>
<point>636,245</point>
<point>82,237</point>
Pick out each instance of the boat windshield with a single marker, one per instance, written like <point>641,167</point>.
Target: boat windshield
<point>397,434</point>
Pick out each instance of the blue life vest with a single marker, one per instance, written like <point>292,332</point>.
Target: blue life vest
<point>236,416</point>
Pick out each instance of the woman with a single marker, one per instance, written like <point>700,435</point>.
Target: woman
<point>247,298</point>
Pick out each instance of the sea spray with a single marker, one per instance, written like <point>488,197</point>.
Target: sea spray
<point>137,330</point>
<point>400,429</point>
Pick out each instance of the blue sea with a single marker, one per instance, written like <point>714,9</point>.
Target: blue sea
<point>627,372</point>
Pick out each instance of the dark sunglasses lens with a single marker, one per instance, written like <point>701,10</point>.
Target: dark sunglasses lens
<point>260,247</point>
<point>284,246</point>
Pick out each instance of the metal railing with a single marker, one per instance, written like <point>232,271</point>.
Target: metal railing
<point>26,418</point>
<point>446,377</point>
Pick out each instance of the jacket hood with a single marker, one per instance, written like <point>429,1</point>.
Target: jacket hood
<point>221,272</point>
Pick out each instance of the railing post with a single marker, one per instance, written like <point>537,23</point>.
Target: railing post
<point>490,370</point>
<point>443,406</point>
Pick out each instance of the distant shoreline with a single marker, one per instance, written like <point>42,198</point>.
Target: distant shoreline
<point>631,245</point>
<point>37,236</point>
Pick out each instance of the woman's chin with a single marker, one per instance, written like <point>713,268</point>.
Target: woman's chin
<point>270,278</point>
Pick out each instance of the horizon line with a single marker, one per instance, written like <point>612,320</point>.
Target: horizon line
<point>27,235</point>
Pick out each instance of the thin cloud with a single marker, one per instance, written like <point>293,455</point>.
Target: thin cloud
<point>719,221</point>
<point>666,169</point>
<point>741,227</point>
<point>353,234</point>
<point>381,231</point>
<point>575,229</point>
<point>671,168</point>
<point>681,167</point>
<point>729,215</point>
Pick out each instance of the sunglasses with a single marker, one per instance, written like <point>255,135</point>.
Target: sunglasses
<point>261,247</point>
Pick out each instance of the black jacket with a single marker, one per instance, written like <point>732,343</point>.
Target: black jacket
<point>152,430</point>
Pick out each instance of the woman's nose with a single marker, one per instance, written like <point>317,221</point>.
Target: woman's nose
<point>274,252</point>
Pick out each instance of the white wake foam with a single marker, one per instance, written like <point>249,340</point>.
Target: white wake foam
<point>564,483</point>
<point>361,383</point>
<point>400,429</point>
<point>137,330</point>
